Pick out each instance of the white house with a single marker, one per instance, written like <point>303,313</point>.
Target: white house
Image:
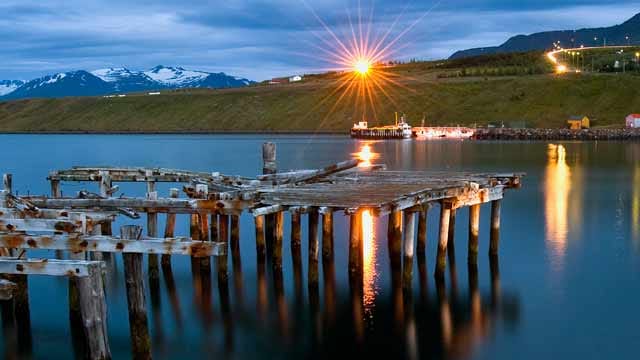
<point>295,78</point>
<point>633,121</point>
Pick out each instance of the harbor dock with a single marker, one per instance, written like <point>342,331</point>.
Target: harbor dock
<point>80,225</point>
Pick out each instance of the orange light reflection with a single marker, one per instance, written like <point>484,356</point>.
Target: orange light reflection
<point>365,155</point>
<point>557,188</point>
<point>370,274</point>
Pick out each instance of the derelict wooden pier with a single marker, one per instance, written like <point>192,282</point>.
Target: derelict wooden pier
<point>82,225</point>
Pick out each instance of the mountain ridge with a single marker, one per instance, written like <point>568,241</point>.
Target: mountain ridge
<point>612,35</point>
<point>117,80</point>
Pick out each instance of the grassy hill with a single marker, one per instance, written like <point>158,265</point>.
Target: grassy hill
<point>466,91</point>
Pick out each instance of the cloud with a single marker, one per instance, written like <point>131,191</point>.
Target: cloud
<point>263,38</point>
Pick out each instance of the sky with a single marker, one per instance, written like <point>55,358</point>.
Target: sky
<point>261,39</point>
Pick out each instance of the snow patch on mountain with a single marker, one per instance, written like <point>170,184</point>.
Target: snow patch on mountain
<point>175,76</point>
<point>8,86</point>
<point>112,74</point>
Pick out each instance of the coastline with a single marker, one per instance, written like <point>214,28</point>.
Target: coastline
<point>481,134</point>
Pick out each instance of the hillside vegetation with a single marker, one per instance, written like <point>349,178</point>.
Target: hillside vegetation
<point>457,97</point>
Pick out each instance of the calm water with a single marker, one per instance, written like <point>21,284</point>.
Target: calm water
<point>569,270</point>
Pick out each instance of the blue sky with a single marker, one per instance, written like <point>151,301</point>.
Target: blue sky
<point>260,39</point>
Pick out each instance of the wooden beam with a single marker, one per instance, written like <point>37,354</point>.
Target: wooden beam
<point>269,164</point>
<point>409,246</point>
<point>314,248</point>
<point>51,225</point>
<point>308,175</point>
<point>169,229</point>
<point>79,242</point>
<point>70,268</point>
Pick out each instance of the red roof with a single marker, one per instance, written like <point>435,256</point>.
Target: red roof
<point>637,116</point>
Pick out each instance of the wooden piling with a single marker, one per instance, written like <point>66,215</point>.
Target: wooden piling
<point>474,233</point>
<point>222,261</point>
<point>313,248</point>
<point>422,231</point>
<point>296,255</point>
<point>327,235</point>
<point>137,306</point>
<point>355,247</point>
<point>495,227</point>
<point>78,335</point>
<point>269,158</point>
<point>236,260</point>
<point>93,311</point>
<point>260,242</point>
<point>169,229</point>
<point>106,190</point>
<point>152,230</point>
<point>394,236</point>
<point>451,244</point>
<point>443,237</point>
<point>409,244</point>
<point>278,235</point>
<point>205,262</point>
<point>7,182</point>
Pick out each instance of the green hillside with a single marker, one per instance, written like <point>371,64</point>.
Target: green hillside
<point>467,91</point>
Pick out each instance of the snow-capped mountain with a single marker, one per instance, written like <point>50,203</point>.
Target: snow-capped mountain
<point>181,78</point>
<point>117,80</point>
<point>124,80</point>
<point>7,86</point>
<point>74,83</point>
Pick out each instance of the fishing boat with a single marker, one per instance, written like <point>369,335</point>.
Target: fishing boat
<point>436,132</point>
<point>401,130</point>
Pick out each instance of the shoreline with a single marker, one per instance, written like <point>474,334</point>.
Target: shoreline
<point>482,134</point>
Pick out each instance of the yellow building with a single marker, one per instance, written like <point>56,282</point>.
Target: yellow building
<point>578,122</point>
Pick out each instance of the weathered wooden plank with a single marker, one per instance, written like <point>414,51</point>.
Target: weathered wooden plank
<point>443,237</point>
<point>70,268</point>
<point>39,225</point>
<point>79,242</point>
<point>169,228</point>
<point>308,175</point>
<point>59,214</point>
<point>269,165</point>
<point>93,310</point>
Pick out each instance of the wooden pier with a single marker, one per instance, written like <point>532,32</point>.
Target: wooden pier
<point>81,225</point>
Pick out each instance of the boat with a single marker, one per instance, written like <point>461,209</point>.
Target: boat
<point>435,132</point>
<point>401,130</point>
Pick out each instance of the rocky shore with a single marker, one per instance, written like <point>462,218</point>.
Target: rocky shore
<point>557,134</point>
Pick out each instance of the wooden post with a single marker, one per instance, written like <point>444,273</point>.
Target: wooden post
<point>474,232</point>
<point>422,231</point>
<point>260,243</point>
<point>222,261</point>
<point>138,326</point>
<point>278,235</point>
<point>269,158</point>
<point>327,235</point>
<point>105,191</point>
<point>313,248</point>
<point>269,166</point>
<point>409,243</point>
<point>205,262</point>
<point>93,310</point>
<point>355,248</point>
<point>152,229</point>
<point>441,262</point>
<point>236,260</point>
<point>78,335</point>
<point>394,235</point>
<point>451,244</point>
<point>169,230</point>
<point>235,234</point>
<point>7,182</point>
<point>495,227</point>
<point>296,255</point>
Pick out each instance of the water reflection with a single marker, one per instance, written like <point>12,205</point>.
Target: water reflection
<point>557,188</point>
<point>635,206</point>
<point>370,274</point>
<point>365,155</point>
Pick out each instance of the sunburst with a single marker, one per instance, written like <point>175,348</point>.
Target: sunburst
<point>361,59</point>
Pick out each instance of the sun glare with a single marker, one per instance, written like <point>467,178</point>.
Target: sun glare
<point>361,58</point>
<point>362,67</point>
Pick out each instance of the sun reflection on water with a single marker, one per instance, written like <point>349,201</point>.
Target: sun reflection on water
<point>370,274</point>
<point>365,156</point>
<point>557,187</point>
